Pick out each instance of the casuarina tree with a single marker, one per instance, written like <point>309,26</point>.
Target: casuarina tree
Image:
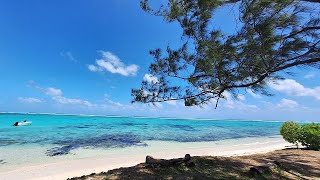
<point>271,37</point>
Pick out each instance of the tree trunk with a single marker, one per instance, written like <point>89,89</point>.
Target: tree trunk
<point>169,162</point>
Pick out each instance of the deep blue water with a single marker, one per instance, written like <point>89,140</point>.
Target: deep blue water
<point>68,132</point>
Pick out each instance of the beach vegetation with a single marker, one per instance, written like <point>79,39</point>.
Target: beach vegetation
<point>268,39</point>
<point>310,136</point>
<point>290,132</point>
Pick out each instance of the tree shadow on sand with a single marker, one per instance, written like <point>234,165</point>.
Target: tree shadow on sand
<point>295,164</point>
<point>143,171</point>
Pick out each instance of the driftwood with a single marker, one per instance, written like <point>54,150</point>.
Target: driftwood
<point>169,162</point>
<point>277,163</point>
<point>258,170</point>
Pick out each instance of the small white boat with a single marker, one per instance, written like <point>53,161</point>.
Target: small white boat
<point>24,123</point>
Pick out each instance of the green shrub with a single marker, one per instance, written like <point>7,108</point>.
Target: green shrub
<point>290,132</point>
<point>310,136</point>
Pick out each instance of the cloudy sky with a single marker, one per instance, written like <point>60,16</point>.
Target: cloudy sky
<point>83,57</point>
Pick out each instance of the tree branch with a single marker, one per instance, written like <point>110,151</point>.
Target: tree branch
<point>234,1</point>
<point>302,30</point>
<point>262,77</point>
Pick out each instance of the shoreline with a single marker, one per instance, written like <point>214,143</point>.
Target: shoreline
<point>126,157</point>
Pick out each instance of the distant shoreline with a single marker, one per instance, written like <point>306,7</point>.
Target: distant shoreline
<point>142,117</point>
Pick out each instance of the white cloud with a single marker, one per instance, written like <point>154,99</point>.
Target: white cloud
<point>58,97</point>
<point>94,68</point>
<point>106,95</point>
<point>68,55</point>
<point>293,88</point>
<point>31,83</point>
<point>150,79</point>
<point>113,64</point>
<point>70,101</point>
<point>253,94</point>
<point>29,100</point>
<point>310,75</point>
<point>157,105</point>
<point>229,103</point>
<point>173,103</point>
<point>241,97</point>
<point>52,91</point>
<point>287,103</point>
<point>110,102</point>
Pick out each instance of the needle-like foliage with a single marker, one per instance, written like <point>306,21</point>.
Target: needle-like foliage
<point>271,36</point>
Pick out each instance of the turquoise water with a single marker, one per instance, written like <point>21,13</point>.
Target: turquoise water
<point>64,133</point>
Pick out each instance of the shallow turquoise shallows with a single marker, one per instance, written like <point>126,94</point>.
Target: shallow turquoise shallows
<point>68,132</point>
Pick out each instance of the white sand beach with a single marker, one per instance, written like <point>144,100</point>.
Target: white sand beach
<point>87,161</point>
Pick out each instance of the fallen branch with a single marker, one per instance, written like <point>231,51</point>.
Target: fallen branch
<point>169,162</point>
<point>258,170</point>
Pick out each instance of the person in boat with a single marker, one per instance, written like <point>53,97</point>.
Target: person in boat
<point>16,124</point>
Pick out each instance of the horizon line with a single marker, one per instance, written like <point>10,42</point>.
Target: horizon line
<point>146,117</point>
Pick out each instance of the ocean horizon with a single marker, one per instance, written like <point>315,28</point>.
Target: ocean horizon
<point>150,117</point>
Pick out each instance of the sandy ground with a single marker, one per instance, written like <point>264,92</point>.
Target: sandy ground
<point>126,157</point>
<point>291,164</point>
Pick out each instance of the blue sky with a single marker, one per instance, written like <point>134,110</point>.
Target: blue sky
<point>85,56</point>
